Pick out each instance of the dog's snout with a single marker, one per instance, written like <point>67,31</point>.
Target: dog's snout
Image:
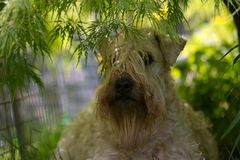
<point>123,85</point>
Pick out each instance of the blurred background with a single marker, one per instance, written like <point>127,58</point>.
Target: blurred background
<point>206,76</point>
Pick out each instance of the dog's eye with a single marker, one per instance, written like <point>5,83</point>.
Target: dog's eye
<point>147,58</point>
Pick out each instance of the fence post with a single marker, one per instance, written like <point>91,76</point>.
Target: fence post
<point>18,121</point>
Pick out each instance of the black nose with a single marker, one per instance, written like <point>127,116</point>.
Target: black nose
<point>124,85</point>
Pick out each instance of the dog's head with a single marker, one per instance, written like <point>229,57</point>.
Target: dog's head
<point>136,76</point>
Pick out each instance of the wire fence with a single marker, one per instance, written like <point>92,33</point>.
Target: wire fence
<point>65,93</point>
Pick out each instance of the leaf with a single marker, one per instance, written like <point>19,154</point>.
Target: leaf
<point>232,125</point>
<point>234,147</point>
<point>230,50</point>
<point>236,59</point>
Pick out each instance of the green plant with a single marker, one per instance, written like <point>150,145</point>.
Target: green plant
<point>210,83</point>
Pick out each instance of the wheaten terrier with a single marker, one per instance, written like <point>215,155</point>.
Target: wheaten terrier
<point>137,114</point>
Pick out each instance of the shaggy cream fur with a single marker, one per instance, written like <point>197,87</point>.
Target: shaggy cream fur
<point>137,114</point>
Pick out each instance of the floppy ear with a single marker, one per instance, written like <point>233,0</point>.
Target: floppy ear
<point>170,48</point>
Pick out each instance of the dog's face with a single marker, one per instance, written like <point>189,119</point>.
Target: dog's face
<point>135,77</point>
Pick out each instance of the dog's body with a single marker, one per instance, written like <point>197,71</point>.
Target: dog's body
<point>137,114</point>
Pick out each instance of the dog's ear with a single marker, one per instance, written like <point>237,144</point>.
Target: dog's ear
<point>170,48</point>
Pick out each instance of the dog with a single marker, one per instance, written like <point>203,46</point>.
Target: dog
<point>137,114</point>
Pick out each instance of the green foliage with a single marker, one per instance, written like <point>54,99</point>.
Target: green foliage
<point>233,124</point>
<point>17,72</point>
<point>13,152</point>
<point>42,140</point>
<point>46,143</point>
<point>210,83</point>
<point>23,33</point>
<point>28,26</point>
<point>97,20</point>
<point>230,50</point>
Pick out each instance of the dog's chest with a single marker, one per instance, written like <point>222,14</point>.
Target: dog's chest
<point>168,145</point>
